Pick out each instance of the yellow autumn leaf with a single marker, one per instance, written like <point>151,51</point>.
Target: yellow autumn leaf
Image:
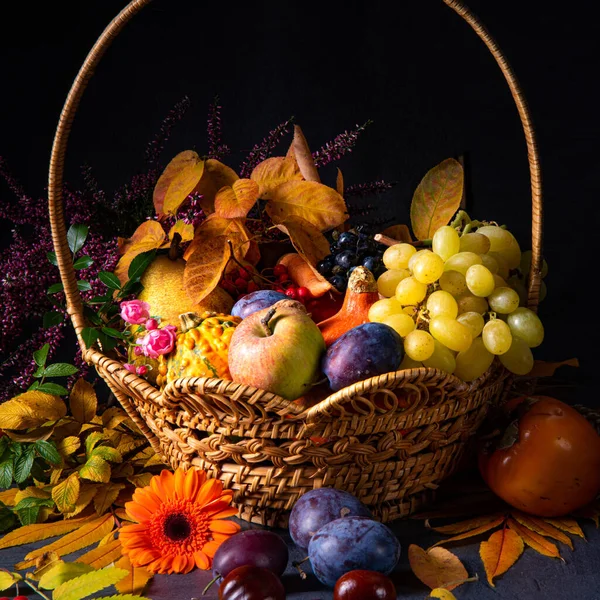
<point>106,495</point>
<point>436,198</point>
<point>235,201</point>
<point>339,182</point>
<point>569,525</point>
<point>304,157</point>
<point>112,417</point>
<point>82,401</point>
<point>34,533</point>
<point>177,182</point>
<point>65,494</point>
<point>86,495</point>
<point>148,236</point>
<point>68,445</point>
<point>107,539</point>
<point>153,461</point>
<point>107,453</point>
<point>216,226</point>
<point>185,230</point>
<point>535,540</point>
<point>7,497</point>
<point>205,267</point>
<point>88,584</point>
<point>96,469</point>
<point>141,480</point>
<point>500,552</point>
<point>273,172</point>
<point>542,527</point>
<point>136,579</point>
<point>437,567</point>
<point>469,524</point>
<point>306,238</point>
<point>216,175</point>
<point>62,572</point>
<point>401,233</point>
<point>43,564</point>
<point>102,556</point>
<point>442,594</point>
<point>317,203</point>
<point>7,580</point>
<point>32,435</point>
<point>31,409</point>
<point>476,531</point>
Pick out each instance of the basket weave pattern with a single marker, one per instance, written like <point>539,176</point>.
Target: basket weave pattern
<point>389,440</point>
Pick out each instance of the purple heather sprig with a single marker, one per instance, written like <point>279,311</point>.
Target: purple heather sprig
<point>262,150</point>
<point>367,189</point>
<point>216,149</point>
<point>342,144</point>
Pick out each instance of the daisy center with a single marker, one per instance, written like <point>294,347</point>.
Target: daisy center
<point>177,527</point>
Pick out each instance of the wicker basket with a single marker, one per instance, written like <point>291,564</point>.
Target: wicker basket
<point>390,440</point>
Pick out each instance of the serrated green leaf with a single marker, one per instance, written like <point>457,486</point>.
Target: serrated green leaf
<point>66,492</point>
<point>48,451</point>
<point>96,469</point>
<point>55,288</point>
<point>88,584</point>
<point>107,453</point>
<point>32,501</point>
<point>76,237</point>
<point>51,256</point>
<point>139,264</point>
<point>92,441</point>
<point>61,573</point>
<point>83,262</point>
<point>52,318</point>
<point>7,519</point>
<point>53,388</point>
<point>23,465</point>
<point>34,386</point>
<point>107,342</point>
<point>6,473</point>
<point>29,515</point>
<point>83,286</point>
<point>4,443</point>
<point>89,336</point>
<point>60,370</point>
<point>110,280</point>
<point>40,356</point>
<point>114,333</point>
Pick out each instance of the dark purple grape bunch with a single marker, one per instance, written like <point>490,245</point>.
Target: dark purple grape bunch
<point>349,250</point>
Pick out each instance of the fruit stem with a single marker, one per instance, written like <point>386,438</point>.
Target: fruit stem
<point>174,248</point>
<point>388,241</point>
<point>235,260</point>
<point>296,564</point>
<point>210,584</point>
<point>265,321</point>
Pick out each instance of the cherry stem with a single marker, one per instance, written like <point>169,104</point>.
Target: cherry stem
<point>235,260</point>
<point>296,564</point>
<point>265,321</point>
<point>174,248</point>
<point>210,584</point>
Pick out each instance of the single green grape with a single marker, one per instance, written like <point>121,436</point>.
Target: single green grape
<point>503,242</point>
<point>480,281</point>
<point>496,336</point>
<point>474,362</point>
<point>382,309</point>
<point>442,304</point>
<point>428,267</point>
<point>445,242</point>
<point>411,291</point>
<point>411,260</point>
<point>490,263</point>
<point>518,359</point>
<point>442,359</point>
<point>525,265</point>
<point>388,281</point>
<point>402,324</point>
<point>474,321</point>
<point>462,261</point>
<point>470,303</point>
<point>454,283</point>
<point>503,300</point>
<point>517,284</point>
<point>419,345</point>
<point>396,256</point>
<point>451,333</point>
<point>499,282</point>
<point>526,325</point>
<point>474,242</point>
<point>503,268</point>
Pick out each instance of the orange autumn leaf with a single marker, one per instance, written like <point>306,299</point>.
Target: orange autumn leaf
<point>541,527</point>
<point>216,176</point>
<point>473,532</point>
<point>436,198</point>
<point>306,238</point>
<point>102,556</point>
<point>339,182</point>
<point>185,230</point>
<point>303,155</point>
<point>437,567</point>
<point>534,540</point>
<point>500,552</point>
<point>214,226</point>
<point>317,203</point>
<point>569,525</point>
<point>136,579</point>
<point>273,172</point>
<point>398,232</point>
<point>468,525</point>
<point>148,236</point>
<point>305,275</point>
<point>205,267</point>
<point>235,201</point>
<point>177,182</point>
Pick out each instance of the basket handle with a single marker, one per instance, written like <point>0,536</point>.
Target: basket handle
<point>59,148</point>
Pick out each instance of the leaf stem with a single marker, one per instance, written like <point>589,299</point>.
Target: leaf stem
<point>296,564</point>
<point>36,590</point>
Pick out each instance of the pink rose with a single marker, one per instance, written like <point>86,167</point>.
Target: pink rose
<point>151,324</point>
<point>135,312</point>
<point>141,370</point>
<point>158,341</point>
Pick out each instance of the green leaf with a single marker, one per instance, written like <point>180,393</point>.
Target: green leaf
<point>114,333</point>
<point>16,448</point>
<point>83,286</point>
<point>29,515</point>
<point>4,443</point>
<point>55,288</point>
<point>107,342</point>
<point>131,288</point>
<point>53,388</point>
<point>34,386</point>
<point>39,372</point>
<point>62,572</point>
<point>29,501</point>
<point>60,370</point>
<point>23,465</point>
<point>48,451</point>
<point>98,300</point>
<point>52,318</point>
<point>89,335</point>
<point>107,453</point>
<point>91,316</point>
<point>52,258</point>
<point>83,262</point>
<point>92,440</point>
<point>6,473</point>
<point>7,519</point>
<point>96,469</point>
<point>110,280</point>
<point>139,264</point>
<point>40,356</point>
<point>76,237</point>
<point>88,584</point>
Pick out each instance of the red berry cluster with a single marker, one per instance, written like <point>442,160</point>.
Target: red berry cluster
<point>285,285</point>
<point>15,598</point>
<point>239,281</point>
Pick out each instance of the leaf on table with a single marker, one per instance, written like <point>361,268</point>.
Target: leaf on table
<point>205,267</point>
<point>106,495</point>
<point>185,230</point>
<point>317,203</point>
<point>177,182</point>
<point>476,531</point>
<point>61,572</point>
<point>35,533</point>
<point>107,539</point>
<point>123,597</point>
<point>235,201</point>
<point>7,580</point>
<point>136,579</point>
<point>96,469</point>
<point>398,232</point>
<point>216,175</point>
<point>31,409</point>
<point>542,368</point>
<point>86,495</point>
<point>148,236</point>
<point>68,445</point>
<point>436,198</point>
<point>304,157</point>
<point>43,564</point>
<point>569,525</point>
<point>500,552</point>
<point>82,401</point>
<point>541,527</point>
<point>467,525</point>
<point>88,584</point>
<point>102,556</point>
<point>273,172</point>
<point>442,594</point>
<point>534,540</point>
<point>437,567</point>
<point>339,182</point>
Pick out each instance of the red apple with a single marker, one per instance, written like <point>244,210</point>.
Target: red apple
<point>277,349</point>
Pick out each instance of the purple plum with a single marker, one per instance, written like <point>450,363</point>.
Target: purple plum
<point>254,301</point>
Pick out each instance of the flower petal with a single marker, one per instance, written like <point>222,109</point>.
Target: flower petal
<point>178,482</point>
<point>133,528</point>
<point>202,561</point>
<point>166,485</point>
<point>146,497</point>
<point>181,564</point>
<point>210,548</point>
<point>138,512</point>
<point>209,491</point>
<point>224,527</point>
<point>216,506</point>
<point>193,482</point>
<point>227,512</point>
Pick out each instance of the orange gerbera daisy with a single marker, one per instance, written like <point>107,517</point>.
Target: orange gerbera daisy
<point>179,522</point>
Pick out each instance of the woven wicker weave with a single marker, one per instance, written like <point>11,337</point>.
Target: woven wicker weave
<point>389,440</point>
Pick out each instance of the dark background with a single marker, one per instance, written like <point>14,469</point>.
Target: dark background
<point>424,78</point>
